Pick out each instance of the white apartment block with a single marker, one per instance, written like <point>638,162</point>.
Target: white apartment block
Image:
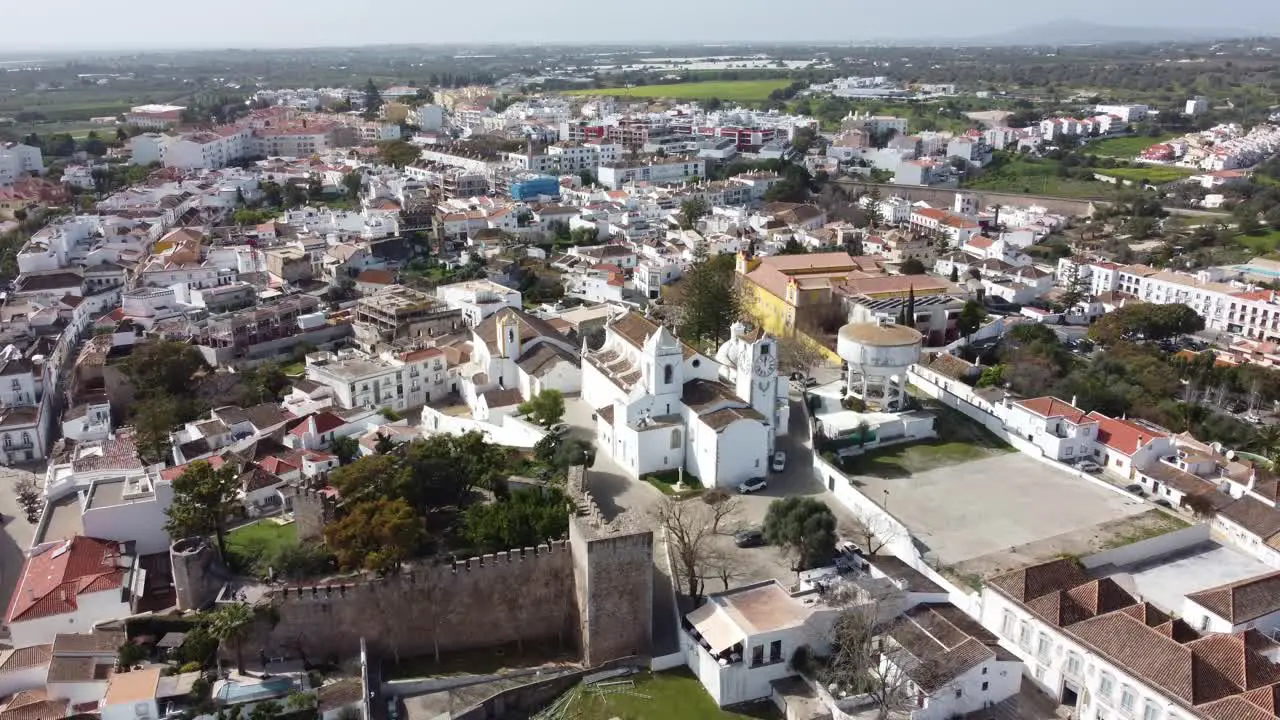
<point>656,171</point>
<point>478,299</point>
<point>17,160</point>
<point>154,117</point>
<point>360,380</point>
<point>1126,113</point>
<point>1224,306</point>
<point>1095,648</point>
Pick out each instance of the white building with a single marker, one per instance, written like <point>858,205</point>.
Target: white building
<point>1248,604</point>
<point>1197,105</point>
<point>516,356</point>
<point>17,160</point>
<point>1062,431</point>
<point>154,117</point>
<point>745,638</point>
<point>660,405</point>
<point>69,586</point>
<point>1096,649</point>
<point>478,299</point>
<point>359,380</point>
<point>657,171</point>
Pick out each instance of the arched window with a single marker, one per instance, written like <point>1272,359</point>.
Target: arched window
<point>668,373</point>
<point>675,439</point>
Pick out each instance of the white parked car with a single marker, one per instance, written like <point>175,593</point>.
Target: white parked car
<point>779,461</point>
<point>752,485</point>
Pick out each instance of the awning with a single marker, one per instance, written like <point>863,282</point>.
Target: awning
<point>716,629</point>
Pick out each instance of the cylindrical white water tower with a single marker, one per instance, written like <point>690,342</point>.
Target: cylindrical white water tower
<point>878,354</point>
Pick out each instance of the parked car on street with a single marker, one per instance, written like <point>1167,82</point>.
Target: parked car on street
<point>1136,490</point>
<point>748,538</point>
<point>779,461</point>
<point>1089,467</point>
<point>752,486</point>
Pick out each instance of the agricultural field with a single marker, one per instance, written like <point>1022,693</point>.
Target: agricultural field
<point>1152,174</point>
<point>1035,177</point>
<point>743,91</point>
<point>1124,147</point>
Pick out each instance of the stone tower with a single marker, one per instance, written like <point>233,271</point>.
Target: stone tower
<point>613,578</point>
<point>192,560</point>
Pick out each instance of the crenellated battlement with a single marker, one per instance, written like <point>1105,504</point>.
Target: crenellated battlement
<point>431,573</point>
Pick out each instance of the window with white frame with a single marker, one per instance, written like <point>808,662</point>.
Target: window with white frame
<point>1127,699</point>
<point>1024,636</point>
<point>1105,685</point>
<point>1006,624</point>
<point>1073,663</point>
<point>1150,711</point>
<point>1044,646</point>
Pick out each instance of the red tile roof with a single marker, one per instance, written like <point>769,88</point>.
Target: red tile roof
<point>325,421</point>
<point>54,577</point>
<point>377,277</point>
<point>1053,407</point>
<point>175,472</point>
<point>1122,436</point>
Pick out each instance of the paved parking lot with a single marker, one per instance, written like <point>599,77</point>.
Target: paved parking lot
<point>18,533</point>
<point>969,510</point>
<point>1167,580</point>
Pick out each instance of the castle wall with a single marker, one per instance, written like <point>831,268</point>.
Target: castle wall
<point>483,602</point>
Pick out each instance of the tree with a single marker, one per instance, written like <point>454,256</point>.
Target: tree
<point>708,300</point>
<point>346,448</point>
<point>29,497</point>
<point>970,319</point>
<point>691,211</point>
<point>798,355</point>
<point>588,178</point>
<point>525,518</point>
<point>352,182</point>
<point>398,153</point>
<point>375,535</point>
<point>1074,292</point>
<point>865,661</point>
<point>264,383</point>
<point>690,540</point>
<point>546,408</point>
<point>153,420</point>
<point>372,100</point>
<point>293,562</point>
<point>873,534</point>
<point>130,654</point>
<point>230,625</point>
<point>725,509</point>
<point>163,368</point>
<point>1266,442</point>
<point>955,273</point>
<point>383,444</point>
<point>911,266</point>
<point>804,528</point>
<point>203,498</point>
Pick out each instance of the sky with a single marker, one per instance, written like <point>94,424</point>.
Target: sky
<point>26,24</point>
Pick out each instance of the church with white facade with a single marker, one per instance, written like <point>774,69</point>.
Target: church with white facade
<point>661,405</point>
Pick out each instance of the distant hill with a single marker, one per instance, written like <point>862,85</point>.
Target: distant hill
<point>1079,32</point>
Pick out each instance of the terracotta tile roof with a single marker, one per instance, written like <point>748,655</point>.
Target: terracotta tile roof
<point>1029,583</point>
<point>324,421</point>
<point>606,414</point>
<point>26,657</point>
<point>1122,436</point>
<point>530,327</point>
<point>176,471</point>
<point>722,419</point>
<point>1049,406</point>
<point>77,669</point>
<point>98,642</point>
<point>376,277</point>
<point>33,705</point>
<point>941,642</point>
<point>54,577</point>
<point>544,356</point>
<point>1253,515</point>
<point>1242,601</point>
<point>1068,607</point>
<point>636,329</point>
<point>502,398</point>
<point>335,696</point>
<point>948,365</point>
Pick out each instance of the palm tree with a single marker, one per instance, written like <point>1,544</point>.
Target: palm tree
<point>383,444</point>
<point>230,624</point>
<point>346,448</point>
<point>1266,441</point>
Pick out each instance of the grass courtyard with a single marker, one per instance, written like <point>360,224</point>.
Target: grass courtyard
<point>744,91</point>
<point>1124,147</point>
<point>1262,242</point>
<point>675,695</point>
<point>1035,177</point>
<point>248,542</point>
<point>1152,174</point>
<point>959,440</point>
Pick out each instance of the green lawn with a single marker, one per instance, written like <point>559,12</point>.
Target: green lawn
<point>1124,147</point>
<point>1263,242</point>
<point>1153,174</point>
<point>247,542</point>
<point>732,90</point>
<point>673,695</point>
<point>959,440</point>
<point>665,482</point>
<point>294,368</point>
<point>1034,177</point>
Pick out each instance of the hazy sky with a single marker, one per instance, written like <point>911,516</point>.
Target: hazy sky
<point>90,24</point>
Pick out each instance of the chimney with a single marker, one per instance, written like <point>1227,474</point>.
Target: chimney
<point>1073,401</point>
<point>1253,477</point>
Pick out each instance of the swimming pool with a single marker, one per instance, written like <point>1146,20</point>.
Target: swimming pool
<point>244,692</point>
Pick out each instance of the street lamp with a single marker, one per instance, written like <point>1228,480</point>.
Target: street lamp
<point>886,499</point>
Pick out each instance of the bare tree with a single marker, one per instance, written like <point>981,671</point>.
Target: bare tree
<point>725,509</point>
<point>797,355</point>
<point>725,565</point>
<point>872,534</point>
<point>689,540</point>
<point>29,497</point>
<point>866,661</point>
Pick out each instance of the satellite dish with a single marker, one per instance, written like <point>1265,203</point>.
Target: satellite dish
<point>1217,447</point>
<point>1231,455</point>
